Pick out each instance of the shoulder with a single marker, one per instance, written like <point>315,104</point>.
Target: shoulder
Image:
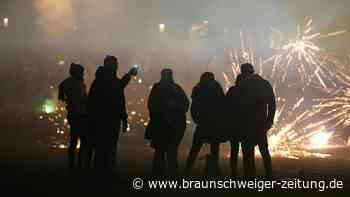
<point>155,87</point>
<point>232,89</point>
<point>266,83</point>
<point>195,88</point>
<point>218,86</point>
<point>66,82</point>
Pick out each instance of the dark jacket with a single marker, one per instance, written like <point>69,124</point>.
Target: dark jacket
<point>167,105</point>
<point>232,114</point>
<point>73,92</point>
<point>207,110</point>
<point>254,101</point>
<point>106,98</point>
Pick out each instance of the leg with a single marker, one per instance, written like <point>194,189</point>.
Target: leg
<point>114,148</point>
<point>214,157</point>
<point>72,144</point>
<point>195,149</point>
<point>82,130</point>
<point>264,151</point>
<point>248,160</point>
<point>84,153</point>
<point>158,163</point>
<point>88,156</point>
<point>234,157</point>
<point>172,161</point>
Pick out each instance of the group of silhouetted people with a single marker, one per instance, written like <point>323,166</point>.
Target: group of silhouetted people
<point>241,116</point>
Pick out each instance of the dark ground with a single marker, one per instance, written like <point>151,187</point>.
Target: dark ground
<point>29,168</point>
<point>37,170</point>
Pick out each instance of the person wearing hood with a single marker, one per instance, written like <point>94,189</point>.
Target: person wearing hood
<point>167,105</point>
<point>207,111</point>
<point>72,91</point>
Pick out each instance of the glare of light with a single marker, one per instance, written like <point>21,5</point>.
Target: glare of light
<point>62,146</point>
<point>133,113</point>
<point>161,27</point>
<point>48,107</point>
<point>140,80</point>
<point>6,22</point>
<point>320,139</point>
<point>61,62</point>
<point>78,144</point>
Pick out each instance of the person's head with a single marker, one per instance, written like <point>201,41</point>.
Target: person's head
<point>207,77</point>
<point>247,69</point>
<point>239,79</point>
<point>99,72</point>
<point>76,71</point>
<point>110,64</point>
<point>167,75</point>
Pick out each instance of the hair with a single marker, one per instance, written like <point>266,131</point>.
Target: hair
<point>247,68</point>
<point>239,79</point>
<point>110,65</point>
<point>167,75</point>
<point>76,71</point>
<point>207,76</point>
<point>110,61</point>
<point>99,72</point>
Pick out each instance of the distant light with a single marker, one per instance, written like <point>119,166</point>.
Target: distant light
<point>140,80</point>
<point>61,62</point>
<point>161,27</point>
<point>78,144</point>
<point>6,22</point>
<point>62,146</point>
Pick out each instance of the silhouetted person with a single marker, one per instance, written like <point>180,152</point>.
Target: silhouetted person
<point>72,91</point>
<point>92,109</point>
<point>257,108</point>
<point>167,106</point>
<point>206,110</point>
<point>108,111</point>
<point>233,121</point>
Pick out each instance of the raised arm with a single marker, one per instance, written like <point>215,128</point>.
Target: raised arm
<point>125,80</point>
<point>127,77</point>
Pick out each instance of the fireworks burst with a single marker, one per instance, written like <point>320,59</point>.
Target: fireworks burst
<point>313,64</point>
<point>296,131</point>
<point>292,136</point>
<point>335,110</point>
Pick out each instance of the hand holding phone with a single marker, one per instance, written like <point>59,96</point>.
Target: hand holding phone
<point>134,70</point>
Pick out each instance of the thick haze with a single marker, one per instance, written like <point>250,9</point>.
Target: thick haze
<point>43,32</point>
<point>44,36</point>
<point>106,24</point>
